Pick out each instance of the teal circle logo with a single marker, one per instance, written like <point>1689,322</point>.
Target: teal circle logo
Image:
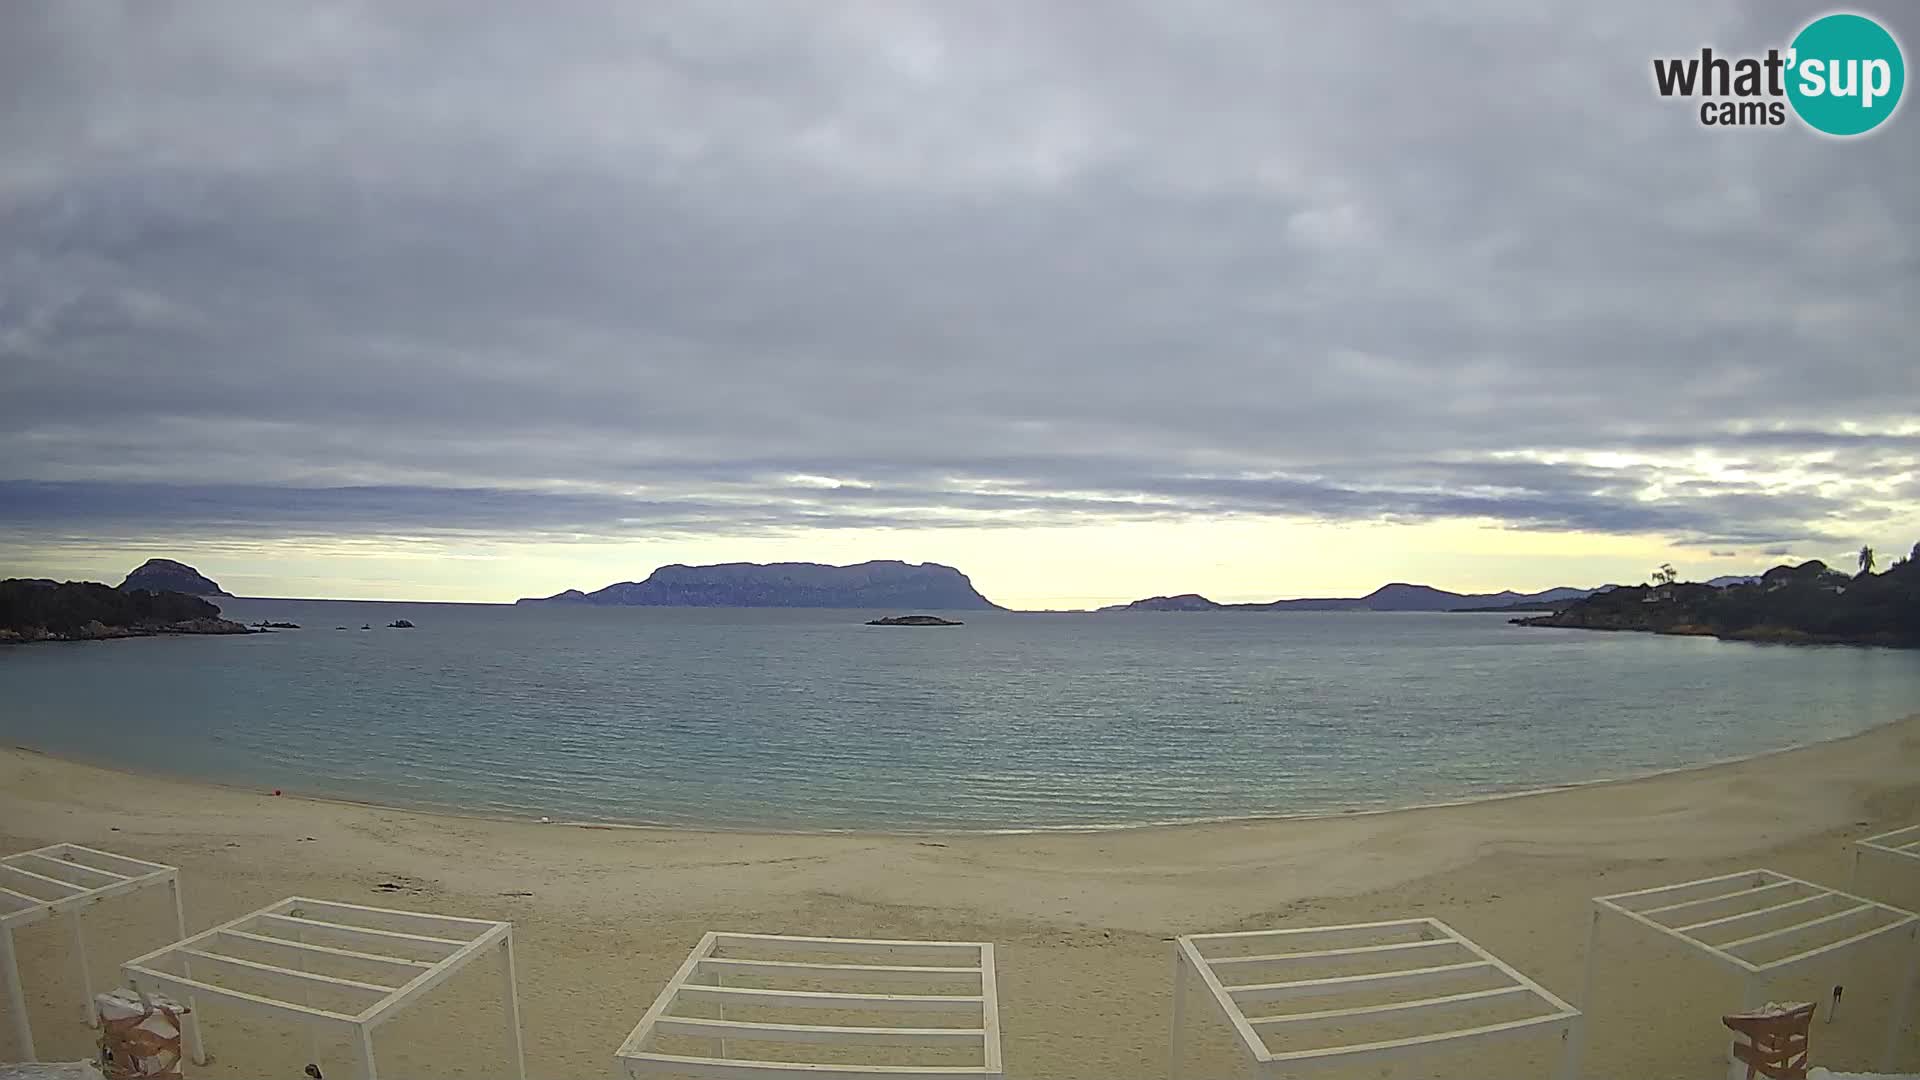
<point>1845,74</point>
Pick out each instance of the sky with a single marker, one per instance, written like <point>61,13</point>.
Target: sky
<point>467,301</point>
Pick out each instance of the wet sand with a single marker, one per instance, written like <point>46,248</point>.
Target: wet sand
<point>1083,921</point>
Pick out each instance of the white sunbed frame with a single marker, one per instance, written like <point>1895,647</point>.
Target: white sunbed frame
<point>1833,922</point>
<point>1901,847</point>
<point>1427,951</point>
<point>66,879</point>
<point>319,928</point>
<point>898,962</point>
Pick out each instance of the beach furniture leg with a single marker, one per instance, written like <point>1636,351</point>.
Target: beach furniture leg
<point>1572,1043</point>
<point>367,1070</point>
<point>196,1049</point>
<point>990,1011</point>
<point>1179,1013</point>
<point>1903,1009</point>
<point>16,998</point>
<point>720,1011</point>
<point>306,998</point>
<point>1754,997</point>
<point>1577,1048</point>
<point>80,959</point>
<point>512,994</point>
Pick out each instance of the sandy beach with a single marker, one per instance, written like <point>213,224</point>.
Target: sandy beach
<point>1083,921</point>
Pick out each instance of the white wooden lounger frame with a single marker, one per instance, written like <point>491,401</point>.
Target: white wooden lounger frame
<point>894,963</point>
<point>1901,848</point>
<point>1707,915</point>
<point>300,928</point>
<point>66,879</point>
<point>1425,952</point>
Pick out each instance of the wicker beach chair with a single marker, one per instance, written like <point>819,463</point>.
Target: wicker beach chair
<point>1776,1040</point>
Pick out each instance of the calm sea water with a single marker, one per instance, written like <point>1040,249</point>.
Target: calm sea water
<point>809,719</point>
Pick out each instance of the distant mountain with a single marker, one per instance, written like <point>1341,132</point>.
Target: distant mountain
<point>1520,606</point>
<point>165,575</point>
<point>885,583</point>
<point>1183,602</point>
<point>1725,580</point>
<point>1398,596</point>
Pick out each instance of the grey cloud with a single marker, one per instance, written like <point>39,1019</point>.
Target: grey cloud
<point>423,267</point>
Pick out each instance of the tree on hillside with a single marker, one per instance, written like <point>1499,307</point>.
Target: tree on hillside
<point>1666,575</point>
<point>1866,559</point>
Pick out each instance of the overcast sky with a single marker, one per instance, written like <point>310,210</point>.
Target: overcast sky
<point>1092,300</point>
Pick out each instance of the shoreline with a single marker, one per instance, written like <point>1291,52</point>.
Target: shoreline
<point>1764,635</point>
<point>1082,921</point>
<point>1305,816</point>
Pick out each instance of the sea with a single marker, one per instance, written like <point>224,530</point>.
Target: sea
<point>810,720</point>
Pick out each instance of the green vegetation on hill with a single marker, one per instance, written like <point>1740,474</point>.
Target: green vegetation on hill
<point>1810,602</point>
<point>33,610</point>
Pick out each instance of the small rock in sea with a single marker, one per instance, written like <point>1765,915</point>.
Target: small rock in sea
<point>516,894</point>
<point>400,624</point>
<point>914,620</point>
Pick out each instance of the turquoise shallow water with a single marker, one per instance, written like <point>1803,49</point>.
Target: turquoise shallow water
<point>808,719</point>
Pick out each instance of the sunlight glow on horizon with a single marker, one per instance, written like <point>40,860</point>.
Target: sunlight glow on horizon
<point>1058,567</point>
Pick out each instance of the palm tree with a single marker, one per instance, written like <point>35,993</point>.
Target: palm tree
<point>1866,559</point>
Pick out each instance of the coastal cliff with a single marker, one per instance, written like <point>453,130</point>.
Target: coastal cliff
<point>39,610</point>
<point>885,583</point>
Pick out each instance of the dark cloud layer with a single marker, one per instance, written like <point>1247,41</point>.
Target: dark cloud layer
<point>717,269</point>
